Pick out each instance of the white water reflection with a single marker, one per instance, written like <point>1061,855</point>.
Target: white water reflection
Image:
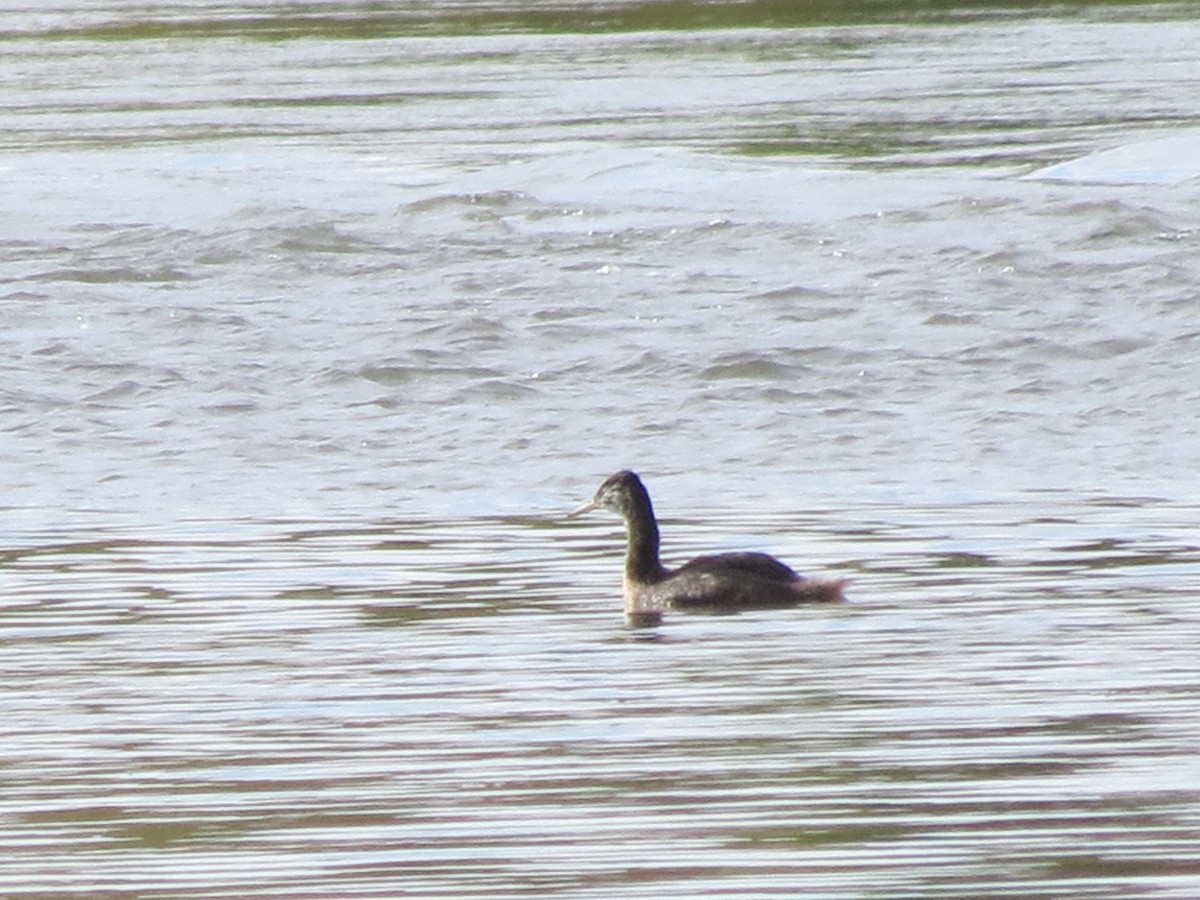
<point>1159,160</point>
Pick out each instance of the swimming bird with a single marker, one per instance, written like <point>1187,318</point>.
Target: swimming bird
<point>723,581</point>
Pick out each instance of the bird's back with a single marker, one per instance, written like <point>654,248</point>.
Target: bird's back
<point>731,581</point>
<point>760,565</point>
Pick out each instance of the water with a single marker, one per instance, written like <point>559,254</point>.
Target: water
<point>316,321</point>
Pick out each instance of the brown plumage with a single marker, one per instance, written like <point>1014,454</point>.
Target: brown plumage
<point>723,581</point>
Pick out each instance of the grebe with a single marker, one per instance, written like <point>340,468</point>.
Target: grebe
<point>723,581</point>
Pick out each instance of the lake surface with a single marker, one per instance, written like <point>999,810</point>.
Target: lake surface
<point>316,320</point>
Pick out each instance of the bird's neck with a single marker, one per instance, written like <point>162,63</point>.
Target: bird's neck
<point>642,565</point>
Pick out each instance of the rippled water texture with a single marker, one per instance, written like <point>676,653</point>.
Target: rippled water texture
<point>317,318</point>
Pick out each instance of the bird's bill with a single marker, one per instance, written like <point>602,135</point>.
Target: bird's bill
<point>587,507</point>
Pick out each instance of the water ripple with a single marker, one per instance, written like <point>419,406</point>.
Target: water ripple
<point>377,703</point>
